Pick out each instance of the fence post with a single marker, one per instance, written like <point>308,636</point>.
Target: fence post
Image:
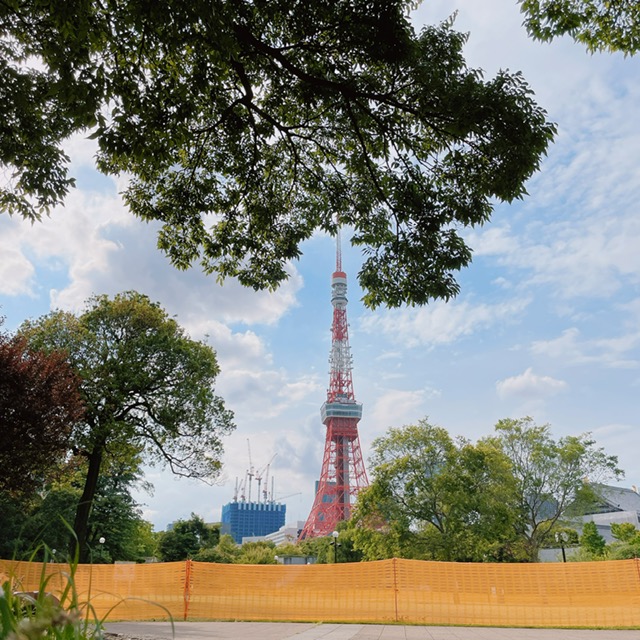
<point>187,587</point>
<point>395,587</point>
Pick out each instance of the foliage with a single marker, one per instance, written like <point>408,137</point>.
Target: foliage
<point>148,390</point>
<point>43,521</point>
<point>187,539</point>
<point>567,535</point>
<point>627,541</point>
<point>36,615</point>
<point>39,404</point>
<point>550,475</point>
<point>347,551</point>
<point>624,531</point>
<point>117,519</point>
<point>291,549</point>
<point>591,541</point>
<point>626,544</point>
<point>320,548</point>
<point>613,25</point>
<point>259,552</point>
<point>433,498</point>
<point>246,126</point>
<point>226,551</point>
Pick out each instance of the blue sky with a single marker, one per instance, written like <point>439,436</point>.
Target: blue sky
<point>547,323</point>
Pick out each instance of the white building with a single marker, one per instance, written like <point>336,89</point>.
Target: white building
<point>284,535</point>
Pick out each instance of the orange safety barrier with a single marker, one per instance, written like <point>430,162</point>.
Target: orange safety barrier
<point>575,594</point>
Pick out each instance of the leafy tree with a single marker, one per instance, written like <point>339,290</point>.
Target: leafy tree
<point>347,551</point>
<point>625,532</point>
<point>225,552</point>
<point>11,531</point>
<point>148,390</point>
<point>277,117</point>
<point>627,541</point>
<point>591,541</point>
<point>39,404</point>
<point>117,518</point>
<point>560,533</point>
<point>320,548</point>
<point>186,539</point>
<point>613,25</point>
<point>291,549</point>
<point>46,519</point>
<point>434,498</point>
<point>550,475</point>
<point>259,552</point>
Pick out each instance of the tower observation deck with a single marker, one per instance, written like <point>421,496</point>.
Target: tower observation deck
<point>343,474</point>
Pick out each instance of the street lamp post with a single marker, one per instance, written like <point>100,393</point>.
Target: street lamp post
<point>335,544</point>
<point>562,537</point>
<point>101,540</point>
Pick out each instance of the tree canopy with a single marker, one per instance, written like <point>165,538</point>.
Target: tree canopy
<point>187,538</point>
<point>555,478</point>
<point>501,499</point>
<point>435,498</point>
<point>39,404</point>
<point>147,387</point>
<point>611,25</point>
<point>246,126</point>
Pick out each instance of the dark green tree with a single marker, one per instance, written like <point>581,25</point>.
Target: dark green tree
<point>601,25</point>
<point>117,518</point>
<point>148,391</point>
<point>591,541</point>
<point>45,519</point>
<point>186,539</point>
<point>550,475</point>
<point>246,126</point>
<point>226,551</point>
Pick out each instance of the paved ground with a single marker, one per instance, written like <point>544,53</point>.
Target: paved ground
<point>311,631</point>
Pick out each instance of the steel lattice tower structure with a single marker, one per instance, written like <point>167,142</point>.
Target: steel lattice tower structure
<point>343,474</point>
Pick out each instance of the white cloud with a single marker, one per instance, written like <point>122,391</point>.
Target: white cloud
<point>395,407</point>
<point>104,249</point>
<point>572,349</point>
<point>259,393</point>
<point>529,386</point>
<point>442,323</point>
<point>16,271</point>
<point>593,256</point>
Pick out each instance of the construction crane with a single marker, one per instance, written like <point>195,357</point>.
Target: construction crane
<point>264,473</point>
<point>250,471</point>
<point>289,495</point>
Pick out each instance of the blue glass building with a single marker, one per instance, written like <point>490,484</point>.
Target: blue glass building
<point>245,519</point>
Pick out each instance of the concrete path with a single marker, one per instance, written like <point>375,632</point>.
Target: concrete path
<point>326,631</point>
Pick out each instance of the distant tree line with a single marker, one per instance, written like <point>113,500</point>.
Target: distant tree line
<point>86,399</point>
<point>501,499</point>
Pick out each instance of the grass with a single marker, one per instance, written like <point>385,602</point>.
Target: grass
<point>35,615</point>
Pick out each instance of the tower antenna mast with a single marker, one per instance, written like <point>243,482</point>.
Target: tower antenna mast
<point>343,473</point>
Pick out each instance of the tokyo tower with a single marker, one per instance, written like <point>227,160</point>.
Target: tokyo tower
<point>343,474</point>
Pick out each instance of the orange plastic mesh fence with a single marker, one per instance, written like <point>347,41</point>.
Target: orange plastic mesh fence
<point>120,591</point>
<point>588,594</point>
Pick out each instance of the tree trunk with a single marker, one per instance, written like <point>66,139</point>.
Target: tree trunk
<point>83,510</point>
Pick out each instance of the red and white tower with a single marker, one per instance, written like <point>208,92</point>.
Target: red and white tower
<point>343,473</point>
